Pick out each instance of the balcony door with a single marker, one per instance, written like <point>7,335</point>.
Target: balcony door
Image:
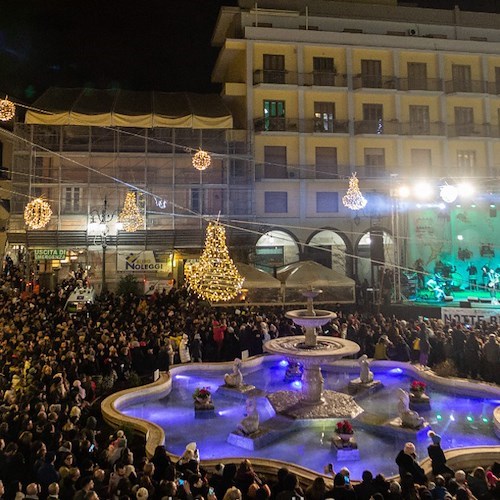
<point>417,76</point>
<point>274,68</point>
<point>419,120</point>
<point>324,116</point>
<point>274,115</point>
<point>323,71</point>
<point>461,74</point>
<point>371,73</point>
<point>464,120</point>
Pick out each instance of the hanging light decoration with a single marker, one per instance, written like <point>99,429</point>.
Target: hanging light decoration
<point>131,216</point>
<point>215,277</point>
<point>354,199</point>
<point>201,160</point>
<point>7,109</point>
<point>37,213</point>
<point>449,193</point>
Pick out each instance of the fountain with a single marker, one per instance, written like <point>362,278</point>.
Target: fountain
<point>311,351</point>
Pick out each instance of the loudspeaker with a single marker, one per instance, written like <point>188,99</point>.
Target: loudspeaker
<point>473,299</point>
<point>485,301</point>
<point>465,305</point>
<point>377,247</point>
<point>448,298</point>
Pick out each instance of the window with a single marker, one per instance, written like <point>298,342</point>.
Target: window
<point>421,161</point>
<point>373,119</point>
<point>274,115</point>
<point>323,71</point>
<point>275,202</point>
<point>327,202</point>
<point>196,200</point>
<point>374,162</point>
<point>72,199</point>
<point>275,166</point>
<point>371,73</point>
<point>497,80</point>
<point>464,120</point>
<point>419,120</point>
<point>324,116</point>
<point>274,68</point>
<point>326,163</point>
<point>461,75</point>
<point>466,162</point>
<point>417,76</point>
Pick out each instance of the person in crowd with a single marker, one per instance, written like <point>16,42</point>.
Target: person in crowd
<point>437,456</point>
<point>407,463</point>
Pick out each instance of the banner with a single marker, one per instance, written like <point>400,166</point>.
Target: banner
<point>470,316</point>
<point>152,286</point>
<point>141,262</point>
<point>49,254</point>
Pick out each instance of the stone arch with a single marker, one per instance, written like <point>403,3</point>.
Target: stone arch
<point>276,247</point>
<point>331,248</point>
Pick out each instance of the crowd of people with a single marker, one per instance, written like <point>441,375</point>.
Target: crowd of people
<point>56,365</point>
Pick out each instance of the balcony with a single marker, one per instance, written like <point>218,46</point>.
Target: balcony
<point>371,172</point>
<point>469,130</point>
<point>319,126</point>
<point>427,84</point>
<point>436,128</point>
<point>494,88</point>
<point>467,86</point>
<point>284,77</point>
<point>275,124</point>
<point>377,127</point>
<point>375,82</point>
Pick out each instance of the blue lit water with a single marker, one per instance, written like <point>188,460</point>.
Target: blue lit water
<point>460,421</point>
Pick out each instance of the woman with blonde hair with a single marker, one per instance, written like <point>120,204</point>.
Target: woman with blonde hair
<point>232,493</point>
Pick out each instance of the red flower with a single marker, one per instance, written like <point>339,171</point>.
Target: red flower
<point>344,427</point>
<point>418,386</point>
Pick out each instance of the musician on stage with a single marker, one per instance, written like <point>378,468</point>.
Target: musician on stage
<point>493,280</point>
<point>472,270</point>
<point>419,268</point>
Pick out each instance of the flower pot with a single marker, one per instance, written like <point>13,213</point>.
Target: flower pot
<point>345,437</point>
<point>202,401</point>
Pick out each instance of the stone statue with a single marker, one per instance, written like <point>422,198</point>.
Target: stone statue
<point>365,375</point>
<point>234,379</point>
<point>409,418</point>
<point>250,423</point>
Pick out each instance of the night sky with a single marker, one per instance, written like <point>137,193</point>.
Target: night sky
<point>141,45</point>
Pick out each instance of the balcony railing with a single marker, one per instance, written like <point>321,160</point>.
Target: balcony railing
<point>469,86</point>
<point>285,77</point>
<point>429,84</point>
<point>436,128</point>
<point>375,82</point>
<point>469,130</point>
<point>317,125</point>
<point>494,88</point>
<point>309,125</point>
<point>378,127</point>
<point>276,124</point>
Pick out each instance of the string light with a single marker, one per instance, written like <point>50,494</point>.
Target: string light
<point>37,213</point>
<point>7,110</point>
<point>354,199</point>
<point>201,160</point>
<point>131,216</point>
<point>215,277</point>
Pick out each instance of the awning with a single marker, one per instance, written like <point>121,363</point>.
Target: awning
<point>125,108</point>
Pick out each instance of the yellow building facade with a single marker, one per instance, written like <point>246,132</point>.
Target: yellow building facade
<point>395,94</point>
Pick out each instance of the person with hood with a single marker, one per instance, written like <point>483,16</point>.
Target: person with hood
<point>436,454</point>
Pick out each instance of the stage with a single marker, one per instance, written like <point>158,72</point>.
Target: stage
<point>467,306</point>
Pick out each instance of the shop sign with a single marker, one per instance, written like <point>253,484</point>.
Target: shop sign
<point>50,254</point>
<point>141,262</point>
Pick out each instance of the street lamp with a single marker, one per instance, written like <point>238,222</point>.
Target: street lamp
<point>102,218</point>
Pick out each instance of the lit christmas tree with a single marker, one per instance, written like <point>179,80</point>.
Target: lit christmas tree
<point>353,199</point>
<point>131,216</point>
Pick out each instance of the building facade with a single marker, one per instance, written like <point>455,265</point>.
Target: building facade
<point>396,94</point>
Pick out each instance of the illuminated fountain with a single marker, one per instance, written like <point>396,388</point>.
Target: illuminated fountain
<point>312,351</point>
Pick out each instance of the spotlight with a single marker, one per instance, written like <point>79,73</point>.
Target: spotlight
<point>297,384</point>
<point>470,419</point>
<point>283,363</point>
<point>452,418</point>
<point>403,192</point>
<point>460,237</point>
<point>485,420</point>
<point>448,193</point>
<point>439,417</point>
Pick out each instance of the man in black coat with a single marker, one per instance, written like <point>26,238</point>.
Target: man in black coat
<point>407,462</point>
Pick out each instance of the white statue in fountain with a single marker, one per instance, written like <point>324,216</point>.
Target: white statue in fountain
<point>250,423</point>
<point>234,379</point>
<point>365,374</point>
<point>409,418</point>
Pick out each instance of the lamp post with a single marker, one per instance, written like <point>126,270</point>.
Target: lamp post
<point>103,217</point>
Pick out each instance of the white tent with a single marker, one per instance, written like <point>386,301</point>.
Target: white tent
<point>300,276</point>
<point>260,287</point>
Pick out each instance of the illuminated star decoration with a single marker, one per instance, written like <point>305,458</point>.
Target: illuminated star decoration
<point>37,213</point>
<point>131,216</point>
<point>354,199</point>
<point>215,277</point>
<point>7,110</point>
<point>201,160</point>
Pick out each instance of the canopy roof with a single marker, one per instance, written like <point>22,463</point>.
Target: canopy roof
<point>125,108</point>
<point>307,273</point>
<point>256,278</point>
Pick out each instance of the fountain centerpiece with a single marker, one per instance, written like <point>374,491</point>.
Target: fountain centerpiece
<point>311,351</point>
